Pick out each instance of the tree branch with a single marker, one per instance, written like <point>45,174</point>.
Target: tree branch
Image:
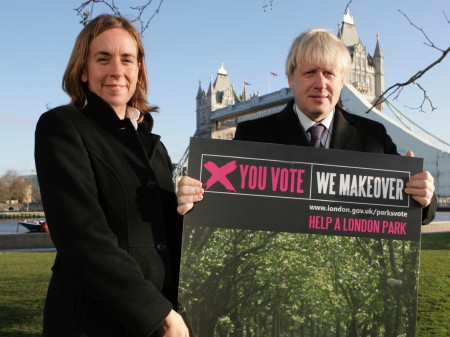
<point>430,43</point>
<point>265,6</point>
<point>398,87</point>
<point>425,98</point>
<point>86,14</point>
<point>141,9</point>
<point>448,21</point>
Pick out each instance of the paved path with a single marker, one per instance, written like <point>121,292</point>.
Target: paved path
<point>436,227</point>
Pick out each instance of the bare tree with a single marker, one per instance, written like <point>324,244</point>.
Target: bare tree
<point>15,187</point>
<point>18,190</point>
<point>3,191</point>
<point>397,88</point>
<point>86,9</point>
<point>9,183</point>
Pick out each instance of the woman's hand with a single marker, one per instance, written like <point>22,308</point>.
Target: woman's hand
<point>173,326</point>
<point>189,191</point>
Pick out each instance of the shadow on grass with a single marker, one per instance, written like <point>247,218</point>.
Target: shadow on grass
<point>19,321</point>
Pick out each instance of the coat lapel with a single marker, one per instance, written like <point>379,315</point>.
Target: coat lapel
<point>288,127</point>
<point>122,129</point>
<point>146,136</point>
<point>343,130</point>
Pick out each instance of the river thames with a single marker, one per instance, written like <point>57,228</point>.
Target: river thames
<point>10,226</point>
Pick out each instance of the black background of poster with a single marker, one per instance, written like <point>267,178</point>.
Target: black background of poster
<point>228,209</point>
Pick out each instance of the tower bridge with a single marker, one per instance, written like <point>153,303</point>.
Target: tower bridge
<point>220,109</point>
<point>405,133</point>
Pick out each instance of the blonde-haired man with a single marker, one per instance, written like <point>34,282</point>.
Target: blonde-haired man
<point>315,67</point>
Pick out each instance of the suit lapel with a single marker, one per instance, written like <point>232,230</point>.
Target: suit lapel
<point>343,130</point>
<point>290,132</point>
<point>288,127</point>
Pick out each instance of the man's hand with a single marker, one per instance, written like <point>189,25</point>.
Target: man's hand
<point>420,186</point>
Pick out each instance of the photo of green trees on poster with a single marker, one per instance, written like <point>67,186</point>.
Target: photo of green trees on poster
<point>237,282</point>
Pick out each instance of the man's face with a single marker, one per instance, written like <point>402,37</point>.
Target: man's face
<point>316,89</point>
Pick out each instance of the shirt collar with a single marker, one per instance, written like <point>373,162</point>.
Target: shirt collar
<point>306,122</point>
<point>133,114</point>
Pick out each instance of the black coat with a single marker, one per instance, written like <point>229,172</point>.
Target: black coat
<point>350,132</point>
<point>110,205</point>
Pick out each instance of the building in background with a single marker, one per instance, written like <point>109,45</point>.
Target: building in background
<point>367,71</point>
<point>219,108</point>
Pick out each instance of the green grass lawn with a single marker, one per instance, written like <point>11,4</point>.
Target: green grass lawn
<point>24,278</point>
<point>433,316</point>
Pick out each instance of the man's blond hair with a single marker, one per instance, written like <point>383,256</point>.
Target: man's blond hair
<point>320,47</point>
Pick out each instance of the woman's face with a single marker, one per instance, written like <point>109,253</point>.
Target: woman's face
<point>112,68</point>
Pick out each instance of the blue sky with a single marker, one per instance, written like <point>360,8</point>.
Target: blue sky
<point>187,42</point>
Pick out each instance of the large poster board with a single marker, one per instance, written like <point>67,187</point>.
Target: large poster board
<point>297,241</point>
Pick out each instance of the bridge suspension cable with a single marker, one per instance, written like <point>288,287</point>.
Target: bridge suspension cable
<point>418,130</point>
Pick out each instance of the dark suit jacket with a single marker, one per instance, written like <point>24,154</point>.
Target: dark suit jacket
<point>110,205</point>
<point>350,132</point>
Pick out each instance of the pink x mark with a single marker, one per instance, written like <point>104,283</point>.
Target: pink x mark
<point>219,174</point>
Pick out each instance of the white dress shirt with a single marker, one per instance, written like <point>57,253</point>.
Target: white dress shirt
<point>306,123</point>
<point>133,114</point>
